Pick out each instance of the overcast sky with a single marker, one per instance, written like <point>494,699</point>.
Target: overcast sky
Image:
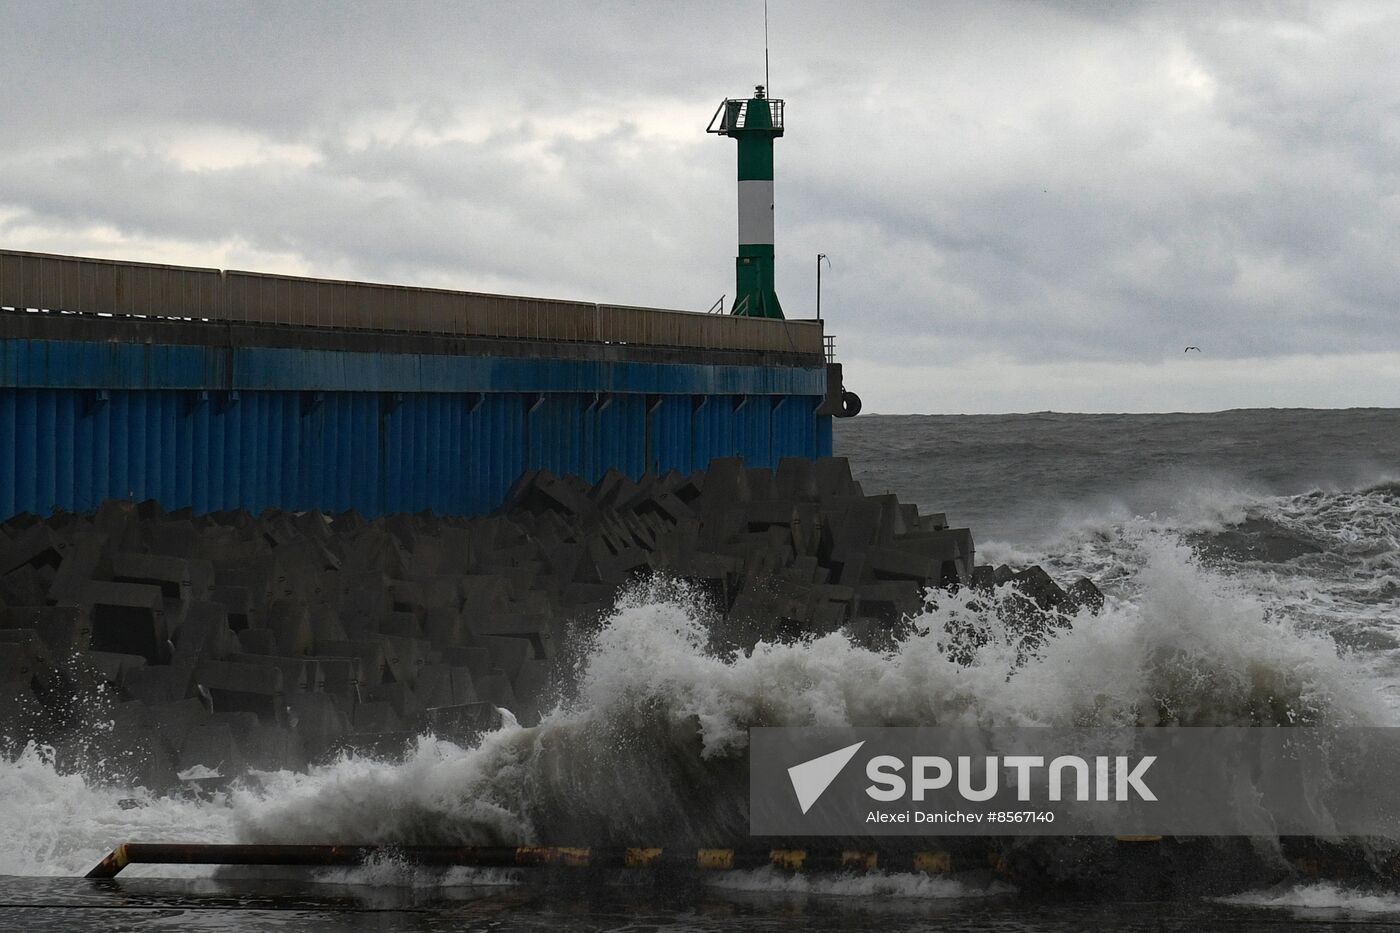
<point>1027,205</point>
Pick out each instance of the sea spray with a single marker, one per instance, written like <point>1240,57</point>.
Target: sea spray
<point>57,823</point>
<point>652,747</point>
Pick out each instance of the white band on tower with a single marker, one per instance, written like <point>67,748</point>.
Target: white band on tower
<point>756,212</point>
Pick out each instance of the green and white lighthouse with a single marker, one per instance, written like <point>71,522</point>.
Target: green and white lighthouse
<point>755,123</point>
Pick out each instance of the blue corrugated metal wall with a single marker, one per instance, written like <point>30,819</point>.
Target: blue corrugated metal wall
<point>376,452</point>
<point>216,428</point>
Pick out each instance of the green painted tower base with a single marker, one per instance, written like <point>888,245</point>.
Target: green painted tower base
<point>753,283</point>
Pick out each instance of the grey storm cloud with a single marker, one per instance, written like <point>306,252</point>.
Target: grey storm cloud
<point>1027,185</point>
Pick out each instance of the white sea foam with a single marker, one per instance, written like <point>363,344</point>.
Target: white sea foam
<point>63,824</point>
<point>1320,899</point>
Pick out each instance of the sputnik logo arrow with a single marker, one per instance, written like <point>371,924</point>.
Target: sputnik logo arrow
<point>811,778</point>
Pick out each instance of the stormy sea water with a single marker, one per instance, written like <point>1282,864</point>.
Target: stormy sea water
<point>1251,561</point>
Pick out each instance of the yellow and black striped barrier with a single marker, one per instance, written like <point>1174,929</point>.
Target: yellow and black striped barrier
<point>144,853</point>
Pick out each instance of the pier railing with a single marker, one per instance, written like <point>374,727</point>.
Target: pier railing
<point>43,282</point>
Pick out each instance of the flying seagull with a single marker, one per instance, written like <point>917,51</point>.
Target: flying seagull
<point>1189,349</point>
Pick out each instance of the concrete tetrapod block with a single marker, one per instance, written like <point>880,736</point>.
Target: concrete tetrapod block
<point>763,515</point>
<point>888,563</point>
<point>531,628</point>
<point>463,684</point>
<point>178,578</point>
<point>273,748</point>
<point>760,483</point>
<point>160,683</point>
<point>428,558</point>
<point>476,660</point>
<point>481,592</point>
<point>323,589</point>
<point>259,641</point>
<point>613,486</point>
<point>299,674</point>
<point>173,538</point>
<point>372,551</point>
<point>209,745</point>
<point>27,642</point>
<point>242,614</point>
<point>36,546</point>
<point>939,545</point>
<point>23,586</point>
<point>317,720</point>
<point>668,506</point>
<point>909,517</point>
<point>832,477</point>
<point>824,618</point>
<point>144,738</point>
<point>127,618</point>
<point>85,559</point>
<point>403,529</point>
<point>952,548</point>
<point>289,620</point>
<point>339,676</point>
<point>1038,585</point>
<point>400,625</point>
<point>204,632</point>
<point>446,628</point>
<point>726,485</point>
<point>405,596</point>
<point>369,654</point>
<point>795,479</point>
<point>463,722</point>
<point>404,700</point>
<point>508,654</point>
<point>111,665</point>
<point>326,624</point>
<point>889,601</point>
<point>891,517</point>
<point>689,488</point>
<point>405,657</point>
<point>495,688</point>
<point>434,686</point>
<point>440,592</point>
<point>16,664</point>
<point>240,687</point>
<point>64,629</point>
<point>375,716</point>
<point>850,531</point>
<point>254,576</point>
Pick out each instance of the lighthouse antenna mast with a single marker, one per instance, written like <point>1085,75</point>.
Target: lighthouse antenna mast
<point>766,82</point>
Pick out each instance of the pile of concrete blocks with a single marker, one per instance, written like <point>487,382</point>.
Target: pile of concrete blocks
<point>796,550</point>
<point>222,642</point>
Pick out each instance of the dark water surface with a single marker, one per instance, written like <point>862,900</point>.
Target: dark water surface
<point>1021,478</point>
